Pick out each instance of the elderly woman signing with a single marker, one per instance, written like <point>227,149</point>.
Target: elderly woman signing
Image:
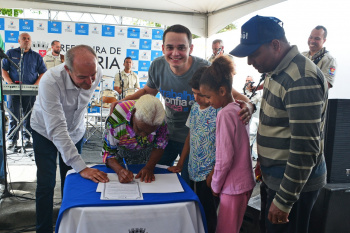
<point>136,131</point>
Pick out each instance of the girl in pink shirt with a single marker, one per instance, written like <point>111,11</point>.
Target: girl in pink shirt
<point>233,178</point>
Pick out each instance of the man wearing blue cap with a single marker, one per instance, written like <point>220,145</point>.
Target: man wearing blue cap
<point>292,117</point>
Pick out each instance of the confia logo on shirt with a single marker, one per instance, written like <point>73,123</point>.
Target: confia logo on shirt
<point>137,230</point>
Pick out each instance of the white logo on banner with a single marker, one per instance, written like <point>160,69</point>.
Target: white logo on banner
<point>11,25</point>
<point>95,31</point>
<point>156,45</point>
<point>133,44</point>
<point>40,27</point>
<point>68,28</point>
<point>145,55</point>
<point>121,31</point>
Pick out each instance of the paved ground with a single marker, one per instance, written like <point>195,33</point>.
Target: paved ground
<point>17,212</point>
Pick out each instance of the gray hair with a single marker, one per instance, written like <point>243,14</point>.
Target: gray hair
<point>70,54</point>
<point>218,41</point>
<point>150,110</point>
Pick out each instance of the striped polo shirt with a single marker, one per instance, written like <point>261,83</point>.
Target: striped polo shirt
<point>290,134</point>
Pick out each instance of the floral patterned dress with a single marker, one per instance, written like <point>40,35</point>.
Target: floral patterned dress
<point>120,140</point>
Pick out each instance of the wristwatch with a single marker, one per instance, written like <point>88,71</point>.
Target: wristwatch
<point>254,106</point>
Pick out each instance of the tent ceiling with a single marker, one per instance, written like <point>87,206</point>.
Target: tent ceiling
<point>203,17</point>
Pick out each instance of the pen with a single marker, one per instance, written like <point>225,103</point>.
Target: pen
<point>126,166</point>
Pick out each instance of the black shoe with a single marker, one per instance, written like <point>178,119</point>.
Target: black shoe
<point>28,144</point>
<point>2,181</point>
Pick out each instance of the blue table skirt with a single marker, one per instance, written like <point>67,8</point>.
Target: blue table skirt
<point>80,192</point>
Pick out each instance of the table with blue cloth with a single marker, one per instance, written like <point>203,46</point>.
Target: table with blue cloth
<point>82,210</point>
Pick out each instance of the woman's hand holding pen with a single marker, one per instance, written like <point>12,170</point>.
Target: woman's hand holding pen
<point>125,176</point>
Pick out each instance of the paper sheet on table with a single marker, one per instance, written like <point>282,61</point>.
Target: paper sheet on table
<point>164,183</point>
<point>114,190</point>
<point>162,166</point>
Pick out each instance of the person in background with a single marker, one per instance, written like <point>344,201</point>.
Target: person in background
<point>254,123</point>
<point>319,55</point>
<point>58,126</point>
<point>233,178</point>
<point>53,57</point>
<point>169,75</point>
<point>218,49</point>
<point>248,87</point>
<point>291,128</point>
<point>200,147</point>
<point>137,132</point>
<point>130,79</point>
<point>32,69</point>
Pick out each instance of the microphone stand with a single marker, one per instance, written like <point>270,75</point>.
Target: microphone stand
<point>122,84</point>
<point>101,109</point>
<point>245,87</point>
<point>121,80</point>
<point>6,193</point>
<point>4,55</point>
<point>20,99</point>
<point>256,88</point>
<point>20,118</point>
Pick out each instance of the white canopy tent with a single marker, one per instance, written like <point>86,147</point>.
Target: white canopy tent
<point>203,17</point>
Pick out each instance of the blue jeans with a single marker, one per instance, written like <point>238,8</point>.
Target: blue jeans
<point>172,150</point>
<point>45,158</point>
<point>14,105</point>
<point>298,217</point>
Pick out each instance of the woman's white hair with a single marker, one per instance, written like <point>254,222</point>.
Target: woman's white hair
<point>149,110</point>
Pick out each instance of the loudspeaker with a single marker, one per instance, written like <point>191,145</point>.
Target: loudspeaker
<point>331,212</point>
<point>337,140</point>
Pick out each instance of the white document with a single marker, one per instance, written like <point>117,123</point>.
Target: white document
<point>164,183</point>
<point>114,190</point>
<point>162,166</point>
